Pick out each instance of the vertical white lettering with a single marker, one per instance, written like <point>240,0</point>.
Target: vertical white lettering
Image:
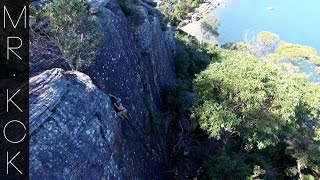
<point>5,12</point>
<point>10,162</point>
<point>10,100</point>
<point>12,48</point>
<point>4,132</point>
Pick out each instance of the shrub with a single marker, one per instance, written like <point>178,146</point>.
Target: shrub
<point>268,38</point>
<point>182,64</point>
<point>174,98</point>
<point>220,166</point>
<point>177,10</point>
<point>76,31</point>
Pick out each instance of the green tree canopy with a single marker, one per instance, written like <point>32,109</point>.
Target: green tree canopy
<point>76,31</point>
<point>268,38</point>
<point>294,51</point>
<point>250,97</point>
<point>177,10</point>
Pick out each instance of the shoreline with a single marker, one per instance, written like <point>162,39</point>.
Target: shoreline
<point>191,25</point>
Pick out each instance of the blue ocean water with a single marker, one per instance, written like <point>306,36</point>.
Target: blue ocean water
<point>295,21</point>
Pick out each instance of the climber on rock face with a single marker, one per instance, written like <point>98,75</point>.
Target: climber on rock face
<point>119,108</point>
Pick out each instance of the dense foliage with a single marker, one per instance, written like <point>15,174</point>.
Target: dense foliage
<point>191,58</point>
<point>263,122</point>
<point>76,31</point>
<point>177,10</point>
<point>248,98</point>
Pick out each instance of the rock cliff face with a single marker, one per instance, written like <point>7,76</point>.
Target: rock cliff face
<point>136,59</point>
<point>74,131</point>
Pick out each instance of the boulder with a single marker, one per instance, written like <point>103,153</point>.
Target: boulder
<point>75,133</point>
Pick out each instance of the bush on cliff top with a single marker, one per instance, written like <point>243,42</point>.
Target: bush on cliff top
<point>77,32</point>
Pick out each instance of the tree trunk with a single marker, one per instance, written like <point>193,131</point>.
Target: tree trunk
<point>299,170</point>
<point>225,136</point>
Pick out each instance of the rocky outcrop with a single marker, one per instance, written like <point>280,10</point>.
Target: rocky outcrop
<point>75,134</point>
<point>136,59</point>
<point>74,130</point>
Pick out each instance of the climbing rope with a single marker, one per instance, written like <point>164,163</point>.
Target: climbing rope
<point>137,129</point>
<point>140,131</point>
<point>143,140</point>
